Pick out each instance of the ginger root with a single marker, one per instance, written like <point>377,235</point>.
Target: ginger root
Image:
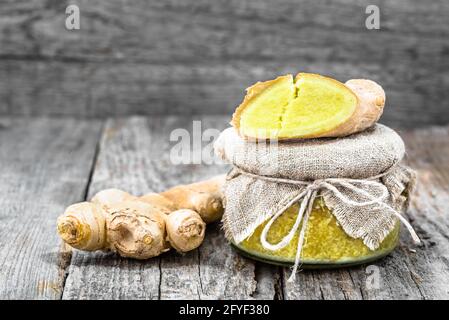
<point>203,197</point>
<point>83,226</point>
<point>143,227</point>
<point>136,230</point>
<point>370,108</point>
<point>309,106</point>
<point>185,230</point>
<point>108,197</point>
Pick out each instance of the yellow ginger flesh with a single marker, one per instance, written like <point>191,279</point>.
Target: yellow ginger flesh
<point>287,108</point>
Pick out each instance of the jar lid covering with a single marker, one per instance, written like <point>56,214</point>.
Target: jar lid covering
<point>358,156</point>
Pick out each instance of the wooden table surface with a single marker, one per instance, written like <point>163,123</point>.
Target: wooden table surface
<point>49,163</point>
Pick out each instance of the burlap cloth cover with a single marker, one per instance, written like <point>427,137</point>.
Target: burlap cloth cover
<point>350,173</point>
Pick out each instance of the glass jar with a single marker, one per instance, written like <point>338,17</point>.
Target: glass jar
<point>326,245</point>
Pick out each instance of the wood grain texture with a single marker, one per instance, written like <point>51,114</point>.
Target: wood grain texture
<point>405,274</point>
<point>124,161</point>
<point>134,155</point>
<point>44,164</point>
<point>182,57</point>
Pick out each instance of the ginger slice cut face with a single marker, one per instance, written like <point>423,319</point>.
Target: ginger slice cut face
<point>285,108</point>
<point>261,112</point>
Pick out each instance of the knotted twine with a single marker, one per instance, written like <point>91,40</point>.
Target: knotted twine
<point>359,178</point>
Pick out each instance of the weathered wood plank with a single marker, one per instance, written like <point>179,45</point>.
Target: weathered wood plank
<point>429,267</point>
<point>41,87</point>
<point>127,59</point>
<point>124,161</point>
<point>44,165</point>
<point>404,274</point>
<point>135,156</point>
<point>215,271</point>
<point>136,31</point>
<point>52,158</point>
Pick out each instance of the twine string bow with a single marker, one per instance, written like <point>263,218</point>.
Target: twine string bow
<point>307,198</point>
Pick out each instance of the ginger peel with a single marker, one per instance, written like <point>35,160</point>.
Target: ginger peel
<point>143,227</point>
<point>308,106</point>
<point>203,197</point>
<point>83,226</point>
<point>109,197</point>
<point>185,230</point>
<point>136,230</point>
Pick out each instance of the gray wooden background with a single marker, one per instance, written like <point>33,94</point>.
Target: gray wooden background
<point>175,61</point>
<point>197,56</point>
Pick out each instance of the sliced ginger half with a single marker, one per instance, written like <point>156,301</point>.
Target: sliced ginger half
<point>308,106</point>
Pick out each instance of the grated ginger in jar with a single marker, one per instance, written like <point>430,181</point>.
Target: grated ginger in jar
<point>325,241</point>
